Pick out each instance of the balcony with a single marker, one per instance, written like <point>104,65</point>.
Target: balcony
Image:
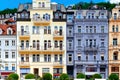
<point>87,62</point>
<point>91,48</point>
<point>59,20</point>
<point>24,64</point>
<point>58,64</point>
<point>114,46</point>
<point>41,22</point>
<point>114,62</point>
<point>24,35</point>
<point>23,19</point>
<point>40,50</point>
<point>69,35</point>
<point>58,36</point>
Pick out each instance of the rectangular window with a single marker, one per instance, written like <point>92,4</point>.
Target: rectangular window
<point>6,67</point>
<point>102,57</point>
<point>114,41</point>
<point>6,43</point>
<point>6,54</point>
<point>45,58</point>
<point>45,30</point>
<point>13,42</point>
<point>45,70</point>
<point>0,43</point>
<point>36,58</point>
<point>115,69</point>
<point>49,58</point>
<point>79,29</point>
<point>86,29</point>
<point>79,57</point>
<point>13,66</point>
<point>86,42</point>
<point>56,58</point>
<point>70,57</point>
<point>13,55</point>
<point>79,42</point>
<point>90,29</point>
<point>94,29</point>
<point>58,70</point>
<point>0,54</point>
<point>102,29</point>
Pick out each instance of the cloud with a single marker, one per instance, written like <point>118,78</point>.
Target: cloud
<point>114,1</point>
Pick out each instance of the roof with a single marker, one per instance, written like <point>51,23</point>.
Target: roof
<point>26,6</point>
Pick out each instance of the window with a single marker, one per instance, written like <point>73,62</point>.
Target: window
<point>94,29</point>
<point>90,29</point>
<point>43,4</point>
<point>46,17</point>
<point>45,44</point>
<point>49,44</point>
<point>94,42</point>
<point>57,70</point>
<point>34,44</point>
<point>70,57</point>
<point>6,43</point>
<point>102,29</point>
<point>79,57</point>
<point>115,69</point>
<point>115,16</point>
<point>115,56</point>
<point>69,44</point>
<point>102,57</point>
<point>94,56</point>
<point>39,4</point>
<point>6,54</point>
<point>86,29</point>
<point>113,28</point>
<point>86,42</point>
<point>79,16</point>
<point>60,56</point>
<point>45,70</point>
<point>13,42</point>
<point>117,28</point>
<point>47,58</point>
<point>56,44</point>
<point>86,57</point>
<point>79,29</point>
<point>36,58</point>
<point>56,58</point>
<point>13,55</point>
<point>114,41</point>
<point>0,54</point>
<point>6,67</point>
<point>34,30</point>
<point>13,66</point>
<point>102,42</point>
<point>49,30</point>
<point>27,44</point>
<point>0,43</point>
<point>45,30</point>
<point>79,42</point>
<point>9,31</point>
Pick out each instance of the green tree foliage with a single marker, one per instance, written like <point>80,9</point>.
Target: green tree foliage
<point>13,76</point>
<point>64,76</point>
<point>8,11</point>
<point>47,76</point>
<point>113,76</point>
<point>30,76</point>
<point>85,5</point>
<point>81,76</point>
<point>98,76</point>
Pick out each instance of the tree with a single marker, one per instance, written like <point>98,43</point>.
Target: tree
<point>13,76</point>
<point>113,76</point>
<point>98,76</point>
<point>30,76</point>
<point>47,76</point>
<point>64,76</point>
<point>81,76</point>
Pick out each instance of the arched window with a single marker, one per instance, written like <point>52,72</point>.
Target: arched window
<point>115,55</point>
<point>34,44</point>
<point>9,31</point>
<point>46,17</point>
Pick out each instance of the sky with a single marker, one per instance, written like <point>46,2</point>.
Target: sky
<point>14,3</point>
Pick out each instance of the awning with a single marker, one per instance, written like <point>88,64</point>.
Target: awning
<point>5,73</point>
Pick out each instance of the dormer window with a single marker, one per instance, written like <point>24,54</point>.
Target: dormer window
<point>9,31</point>
<point>56,15</point>
<point>90,15</point>
<point>46,17</point>
<point>1,31</point>
<point>79,15</point>
<point>43,4</point>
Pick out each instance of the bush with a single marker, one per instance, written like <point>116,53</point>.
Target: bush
<point>98,76</point>
<point>47,76</point>
<point>64,76</point>
<point>13,76</point>
<point>113,76</point>
<point>30,76</point>
<point>81,76</point>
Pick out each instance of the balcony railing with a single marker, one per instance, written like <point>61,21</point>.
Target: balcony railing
<point>59,63</point>
<point>91,48</point>
<point>24,63</point>
<point>24,33</point>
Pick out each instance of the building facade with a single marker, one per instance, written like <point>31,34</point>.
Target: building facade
<point>7,48</point>
<point>41,40</point>
<point>114,41</point>
<point>91,42</point>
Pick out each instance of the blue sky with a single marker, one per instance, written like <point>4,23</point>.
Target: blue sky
<point>14,3</point>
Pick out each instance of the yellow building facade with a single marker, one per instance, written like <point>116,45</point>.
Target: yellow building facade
<point>41,42</point>
<point>114,41</point>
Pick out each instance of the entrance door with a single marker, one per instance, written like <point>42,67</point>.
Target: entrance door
<point>36,71</point>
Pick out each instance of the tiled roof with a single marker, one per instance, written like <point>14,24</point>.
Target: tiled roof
<point>4,27</point>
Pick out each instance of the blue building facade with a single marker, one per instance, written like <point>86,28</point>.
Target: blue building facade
<point>88,44</point>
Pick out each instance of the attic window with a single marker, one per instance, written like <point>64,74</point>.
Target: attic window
<point>9,31</point>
